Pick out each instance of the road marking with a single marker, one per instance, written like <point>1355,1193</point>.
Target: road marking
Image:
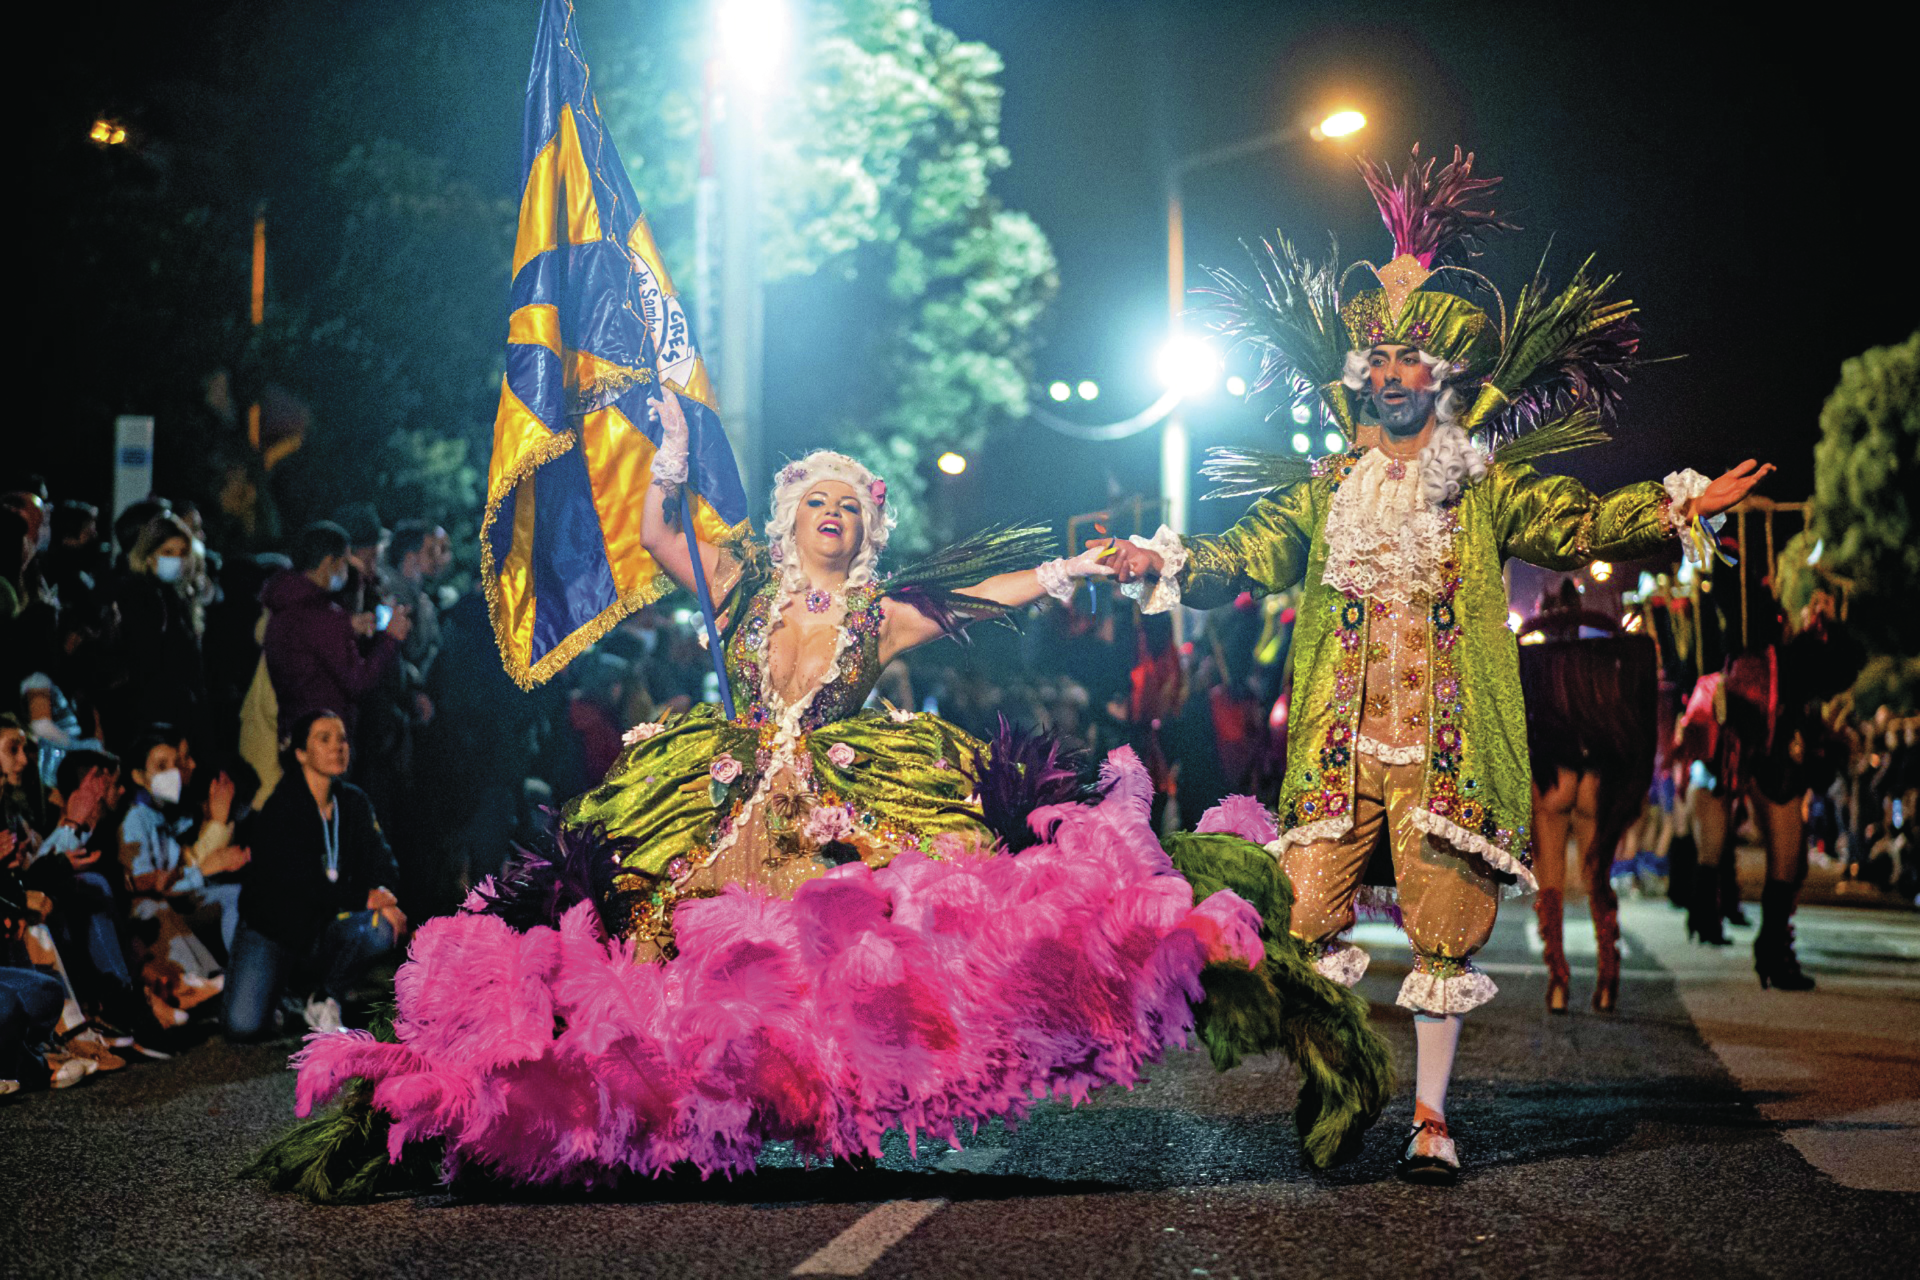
<point>858,1247</point>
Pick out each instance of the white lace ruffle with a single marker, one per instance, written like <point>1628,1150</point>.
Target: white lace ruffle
<point>1055,580</point>
<point>1385,541</point>
<point>1346,964</point>
<point>1385,754</point>
<point>1683,487</point>
<point>1473,842</point>
<point>1425,993</point>
<point>1308,832</point>
<point>1173,562</point>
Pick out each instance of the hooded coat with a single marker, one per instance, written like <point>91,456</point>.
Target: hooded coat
<point>314,660</point>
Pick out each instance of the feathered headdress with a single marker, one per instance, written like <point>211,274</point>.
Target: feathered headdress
<point>1538,377</point>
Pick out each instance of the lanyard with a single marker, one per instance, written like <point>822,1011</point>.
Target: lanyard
<point>330,836</point>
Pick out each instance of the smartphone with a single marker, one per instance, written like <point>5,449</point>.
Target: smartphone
<point>382,615</point>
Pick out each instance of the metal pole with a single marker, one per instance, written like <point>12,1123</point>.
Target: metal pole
<point>742,320</point>
<point>1176,449</point>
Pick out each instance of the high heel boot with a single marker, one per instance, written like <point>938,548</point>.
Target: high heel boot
<point>1730,892</point>
<point>1606,935</point>
<point>1548,906</point>
<point>1773,957</point>
<point>1703,909</point>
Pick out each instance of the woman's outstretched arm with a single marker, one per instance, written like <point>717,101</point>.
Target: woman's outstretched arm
<point>662,536</point>
<point>907,626</point>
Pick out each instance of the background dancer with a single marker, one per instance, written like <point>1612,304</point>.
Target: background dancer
<point>1406,731</point>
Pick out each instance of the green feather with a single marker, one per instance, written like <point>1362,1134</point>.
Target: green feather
<point>1242,473</point>
<point>1346,1067</point>
<point>1289,312</point>
<point>1577,430</point>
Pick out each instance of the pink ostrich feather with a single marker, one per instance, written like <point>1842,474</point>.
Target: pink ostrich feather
<point>1241,816</point>
<point>930,996</point>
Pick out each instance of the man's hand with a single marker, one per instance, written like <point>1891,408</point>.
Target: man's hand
<point>220,799</point>
<point>422,708</point>
<point>363,625</point>
<point>1128,562</point>
<point>1727,491</point>
<point>382,902</point>
<point>11,852</point>
<point>400,625</point>
<point>232,858</point>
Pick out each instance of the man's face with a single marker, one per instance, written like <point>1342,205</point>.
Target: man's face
<point>1400,388</point>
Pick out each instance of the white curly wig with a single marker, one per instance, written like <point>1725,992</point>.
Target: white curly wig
<point>791,485</point>
<point>1451,459</point>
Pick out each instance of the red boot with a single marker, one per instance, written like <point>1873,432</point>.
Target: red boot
<point>1548,907</point>
<point>1606,934</point>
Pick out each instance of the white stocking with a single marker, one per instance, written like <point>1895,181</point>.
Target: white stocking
<point>1435,1038</point>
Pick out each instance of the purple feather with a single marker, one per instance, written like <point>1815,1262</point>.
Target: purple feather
<point>1427,213</point>
<point>538,887</point>
<point>1026,770</point>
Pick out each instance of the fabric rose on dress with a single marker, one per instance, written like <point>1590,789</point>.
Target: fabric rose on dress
<point>841,754</point>
<point>641,732</point>
<point>827,824</point>
<point>724,768</point>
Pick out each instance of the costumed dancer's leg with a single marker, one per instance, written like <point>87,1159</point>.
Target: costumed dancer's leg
<point>1448,902</point>
<point>1598,840</point>
<point>1342,1088</point>
<point>1551,812</point>
<point>1773,956</point>
<point>1712,833</point>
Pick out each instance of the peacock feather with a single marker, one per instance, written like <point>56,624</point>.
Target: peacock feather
<point>1250,473</point>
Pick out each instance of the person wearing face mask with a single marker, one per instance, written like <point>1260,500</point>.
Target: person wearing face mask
<point>157,675</point>
<point>315,656</point>
<point>171,885</point>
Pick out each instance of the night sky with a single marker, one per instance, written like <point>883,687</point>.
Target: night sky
<point>1739,175</point>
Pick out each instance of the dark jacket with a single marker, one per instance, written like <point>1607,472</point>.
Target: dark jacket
<point>287,895</point>
<point>313,658</point>
<point>158,677</point>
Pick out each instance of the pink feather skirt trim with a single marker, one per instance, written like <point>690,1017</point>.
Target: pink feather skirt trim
<point>929,996</point>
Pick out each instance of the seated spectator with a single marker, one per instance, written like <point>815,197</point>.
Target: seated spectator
<point>312,648</point>
<point>317,908</point>
<point>24,815</point>
<point>30,1003</point>
<point>56,722</point>
<point>169,887</point>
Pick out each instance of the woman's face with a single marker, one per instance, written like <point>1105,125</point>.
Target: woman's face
<point>829,524</point>
<point>174,546</point>
<point>13,755</point>
<point>326,751</point>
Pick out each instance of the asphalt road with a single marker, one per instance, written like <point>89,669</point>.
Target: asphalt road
<point>1706,1129</point>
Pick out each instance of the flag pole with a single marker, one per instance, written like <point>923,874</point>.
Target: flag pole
<point>706,602</point>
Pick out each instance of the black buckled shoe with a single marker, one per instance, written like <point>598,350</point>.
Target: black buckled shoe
<point>1430,1157</point>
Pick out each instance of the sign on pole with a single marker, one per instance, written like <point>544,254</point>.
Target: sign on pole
<point>132,461</point>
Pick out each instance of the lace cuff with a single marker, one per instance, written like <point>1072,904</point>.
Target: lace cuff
<point>1683,487</point>
<point>1165,592</point>
<point>1442,986</point>
<point>670,460</point>
<point>1342,962</point>
<point>1055,580</point>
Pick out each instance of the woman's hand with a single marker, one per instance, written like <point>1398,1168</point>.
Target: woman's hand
<point>383,904</point>
<point>1128,562</point>
<point>232,858</point>
<point>220,799</point>
<point>1728,491</point>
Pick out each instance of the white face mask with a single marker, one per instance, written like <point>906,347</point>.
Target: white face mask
<point>338,582</point>
<point>169,568</point>
<point>164,786</point>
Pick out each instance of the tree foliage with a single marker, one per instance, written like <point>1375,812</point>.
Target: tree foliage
<point>1866,499</point>
<point>876,188</point>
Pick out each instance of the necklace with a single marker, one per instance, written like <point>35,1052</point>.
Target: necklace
<point>819,600</point>
<point>330,836</point>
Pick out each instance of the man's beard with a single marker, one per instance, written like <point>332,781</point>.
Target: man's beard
<point>1407,417</point>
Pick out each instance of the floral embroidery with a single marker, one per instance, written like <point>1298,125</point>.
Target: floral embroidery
<point>724,768</point>
<point>841,754</point>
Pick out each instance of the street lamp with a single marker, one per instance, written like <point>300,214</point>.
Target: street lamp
<point>1060,392</point>
<point>1089,389</point>
<point>1187,366</point>
<point>1176,451</point>
<point>951,463</point>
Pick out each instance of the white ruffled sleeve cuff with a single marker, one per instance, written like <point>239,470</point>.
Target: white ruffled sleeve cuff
<point>1165,591</point>
<point>1682,488</point>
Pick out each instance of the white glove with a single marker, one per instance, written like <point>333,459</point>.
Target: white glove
<point>670,459</point>
<point>1058,576</point>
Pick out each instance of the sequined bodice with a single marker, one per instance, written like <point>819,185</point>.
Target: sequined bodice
<point>848,680</point>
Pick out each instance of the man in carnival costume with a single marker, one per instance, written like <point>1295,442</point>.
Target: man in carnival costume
<point>1409,731</point>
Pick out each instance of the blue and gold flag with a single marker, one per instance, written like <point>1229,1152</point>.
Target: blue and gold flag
<point>596,329</point>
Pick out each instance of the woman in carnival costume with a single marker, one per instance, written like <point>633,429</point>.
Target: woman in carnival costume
<point>1408,734</point>
<point>815,923</point>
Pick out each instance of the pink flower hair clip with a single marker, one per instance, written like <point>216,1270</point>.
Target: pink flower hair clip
<point>878,490</point>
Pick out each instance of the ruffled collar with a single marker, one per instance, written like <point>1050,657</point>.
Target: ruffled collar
<point>1389,530</point>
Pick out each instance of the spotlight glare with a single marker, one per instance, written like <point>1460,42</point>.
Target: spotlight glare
<point>1514,621</point>
<point>952,463</point>
<point>1303,413</point>
<point>1300,442</point>
<point>1060,391</point>
<point>1340,124</point>
<point>753,36</point>
<point>1188,366</point>
<point>1089,389</point>
<point>1236,385</point>
<point>1600,570</point>
<point>107,133</point>
<point>1336,443</point>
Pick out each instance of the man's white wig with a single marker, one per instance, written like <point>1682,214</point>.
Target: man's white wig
<point>792,485</point>
<point>1451,459</point>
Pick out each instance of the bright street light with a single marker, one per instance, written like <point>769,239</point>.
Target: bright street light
<point>107,133</point>
<point>1339,125</point>
<point>1335,442</point>
<point>951,463</point>
<point>1089,389</point>
<point>1236,385</point>
<point>1600,570</point>
<point>1188,366</point>
<point>1060,392</point>
<point>753,37</point>
<point>1300,442</point>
